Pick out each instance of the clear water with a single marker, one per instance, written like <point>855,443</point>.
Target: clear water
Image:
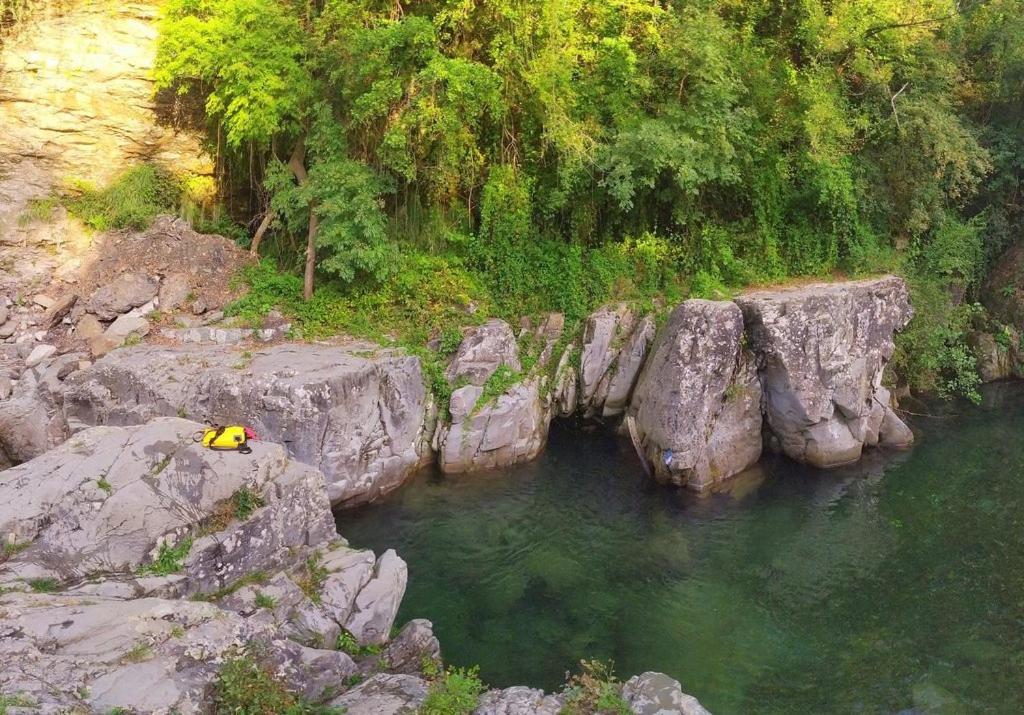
<point>895,585</point>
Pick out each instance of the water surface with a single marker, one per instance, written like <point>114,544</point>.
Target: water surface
<point>894,585</point>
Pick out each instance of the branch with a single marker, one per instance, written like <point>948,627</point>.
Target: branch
<point>892,101</point>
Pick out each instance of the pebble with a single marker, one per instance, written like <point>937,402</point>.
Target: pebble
<point>38,354</point>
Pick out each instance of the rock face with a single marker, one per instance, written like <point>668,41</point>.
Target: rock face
<point>821,350</point>
<point>658,694</point>
<point>612,354</point>
<point>360,420</point>
<point>697,406</point>
<point>496,431</point>
<point>65,653</point>
<point>1003,292</point>
<point>108,500</point>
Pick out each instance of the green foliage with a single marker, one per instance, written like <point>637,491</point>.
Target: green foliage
<point>132,201</point>
<point>347,643</point>
<point>15,700</point>
<point>455,692</point>
<point>314,578</point>
<point>12,549</point>
<point>264,601</point>
<point>595,689</point>
<point>43,585</point>
<point>500,381</point>
<point>246,501</point>
<point>169,559</point>
<point>245,687</point>
<point>39,210</point>
<point>103,484</point>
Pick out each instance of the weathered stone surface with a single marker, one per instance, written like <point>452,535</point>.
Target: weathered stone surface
<point>174,290</point>
<point>603,336</point>
<point>995,361</point>
<point>362,421</point>
<point>510,429</point>
<point>39,353</point>
<point>483,351</point>
<point>519,700</point>
<point>56,311</point>
<point>107,500</point>
<point>414,645</point>
<point>1003,292</point>
<point>88,327</point>
<point>657,694</point>
<point>121,295</point>
<point>697,405</point>
<point>72,654</point>
<point>375,606</point>
<point>630,360</point>
<point>126,326</point>
<point>821,351</point>
<point>384,694</point>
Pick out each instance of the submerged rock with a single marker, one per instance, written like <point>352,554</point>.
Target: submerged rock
<point>360,420</point>
<point>821,350</point>
<point>697,406</point>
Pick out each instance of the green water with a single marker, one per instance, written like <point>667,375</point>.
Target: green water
<point>895,585</point>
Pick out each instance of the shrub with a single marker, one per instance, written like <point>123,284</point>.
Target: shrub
<point>246,502</point>
<point>169,559</point>
<point>456,692</point>
<point>132,201</point>
<point>595,689</point>
<point>244,687</point>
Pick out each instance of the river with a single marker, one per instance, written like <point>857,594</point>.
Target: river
<point>892,585</point>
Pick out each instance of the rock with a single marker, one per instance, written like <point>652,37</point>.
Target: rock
<point>995,361</point>
<point>658,694</point>
<point>109,499</point>
<point>376,605</point>
<point>8,329</point>
<point>482,352</point>
<point>88,327</point>
<point>4,313</point>
<point>519,700</point>
<point>602,337</point>
<point>99,654</point>
<point>43,301</point>
<point>1003,292</point>
<point>174,291</point>
<point>697,405</point>
<point>198,306</point>
<point>58,309</point>
<point>821,377</point>
<point>362,421</point>
<point>414,645</point>
<point>5,387</point>
<point>893,431</point>
<point>126,326</point>
<point>628,364</point>
<point>384,694</point>
<point>507,430</point>
<point>564,393</point>
<point>39,353</point>
<point>130,290</point>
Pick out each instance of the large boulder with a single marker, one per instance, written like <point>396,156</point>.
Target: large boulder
<point>487,430</point>
<point>519,700</point>
<point>113,500</point>
<point>66,653</point>
<point>697,406</point>
<point>361,420</point>
<point>657,694</point>
<point>128,291</point>
<point>821,351</point>
<point>1003,292</point>
<point>384,694</point>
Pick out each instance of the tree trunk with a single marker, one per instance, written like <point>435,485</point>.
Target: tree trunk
<point>297,163</point>
<point>254,249</point>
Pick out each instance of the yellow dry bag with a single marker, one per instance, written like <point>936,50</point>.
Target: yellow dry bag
<point>233,438</point>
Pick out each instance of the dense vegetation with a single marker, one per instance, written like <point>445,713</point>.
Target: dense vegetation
<point>534,155</point>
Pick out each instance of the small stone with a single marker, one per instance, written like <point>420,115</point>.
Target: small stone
<point>44,301</point>
<point>5,387</point>
<point>174,291</point>
<point>8,329</point>
<point>198,306</point>
<point>127,325</point>
<point>38,354</point>
<point>88,327</point>
<point>59,309</point>
<point>39,335</point>
<point>4,314</point>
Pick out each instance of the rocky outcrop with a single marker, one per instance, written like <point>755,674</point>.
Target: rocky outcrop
<point>519,700</point>
<point>821,350</point>
<point>1003,292</point>
<point>68,653</point>
<point>657,694</point>
<point>697,407</point>
<point>362,421</point>
<point>614,347</point>
<point>384,694</point>
<point>485,430</point>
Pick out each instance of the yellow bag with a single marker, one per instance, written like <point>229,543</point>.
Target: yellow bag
<point>227,438</point>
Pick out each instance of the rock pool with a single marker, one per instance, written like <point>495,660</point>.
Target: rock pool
<point>895,584</point>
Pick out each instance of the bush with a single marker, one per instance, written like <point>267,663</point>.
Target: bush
<point>244,687</point>
<point>132,201</point>
<point>456,692</point>
<point>594,690</point>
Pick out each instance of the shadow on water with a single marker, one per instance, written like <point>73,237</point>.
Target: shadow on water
<point>895,584</point>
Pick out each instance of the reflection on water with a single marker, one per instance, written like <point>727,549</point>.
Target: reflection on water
<point>894,584</point>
